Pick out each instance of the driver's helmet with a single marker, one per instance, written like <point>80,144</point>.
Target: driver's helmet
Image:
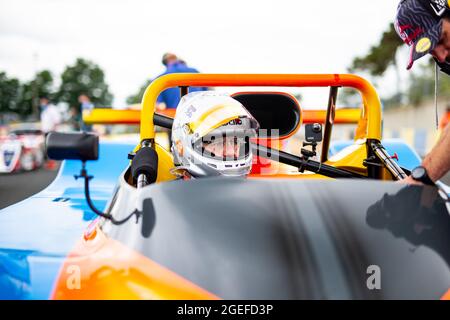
<point>211,135</point>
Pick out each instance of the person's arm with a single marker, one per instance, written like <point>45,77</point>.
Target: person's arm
<point>437,162</point>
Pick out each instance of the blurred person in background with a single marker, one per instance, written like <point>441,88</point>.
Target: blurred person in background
<point>74,119</point>
<point>169,98</point>
<point>424,25</point>
<point>86,107</point>
<point>50,115</point>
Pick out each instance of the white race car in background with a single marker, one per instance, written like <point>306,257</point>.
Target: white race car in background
<point>22,149</point>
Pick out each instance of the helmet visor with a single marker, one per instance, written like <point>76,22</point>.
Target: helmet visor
<point>223,146</point>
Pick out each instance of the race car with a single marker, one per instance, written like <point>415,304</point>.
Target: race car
<point>22,149</point>
<point>299,227</point>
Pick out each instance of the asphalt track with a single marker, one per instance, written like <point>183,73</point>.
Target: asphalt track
<point>18,186</point>
<point>15,187</point>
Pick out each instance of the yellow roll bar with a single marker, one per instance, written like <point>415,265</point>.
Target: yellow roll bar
<point>371,103</point>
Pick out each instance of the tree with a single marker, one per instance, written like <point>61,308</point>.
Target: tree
<point>422,85</point>
<point>41,85</point>
<point>349,98</point>
<point>380,56</point>
<point>9,94</point>
<point>137,98</point>
<point>84,77</point>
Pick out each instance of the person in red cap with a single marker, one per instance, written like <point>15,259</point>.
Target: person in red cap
<point>424,25</point>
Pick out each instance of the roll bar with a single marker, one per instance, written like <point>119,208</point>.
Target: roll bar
<point>371,102</point>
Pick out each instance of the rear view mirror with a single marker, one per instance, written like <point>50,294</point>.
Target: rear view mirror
<point>72,146</point>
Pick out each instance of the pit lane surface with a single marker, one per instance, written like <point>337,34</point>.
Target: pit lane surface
<point>15,187</point>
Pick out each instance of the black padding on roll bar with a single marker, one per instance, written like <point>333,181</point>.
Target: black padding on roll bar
<point>145,162</point>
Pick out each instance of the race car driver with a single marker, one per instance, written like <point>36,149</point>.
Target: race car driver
<point>211,136</point>
<point>424,25</point>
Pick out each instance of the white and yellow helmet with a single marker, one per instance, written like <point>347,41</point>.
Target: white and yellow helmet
<point>206,120</point>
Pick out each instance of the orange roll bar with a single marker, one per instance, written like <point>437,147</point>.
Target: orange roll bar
<point>371,101</point>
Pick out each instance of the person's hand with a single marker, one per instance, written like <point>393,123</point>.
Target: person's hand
<point>410,181</point>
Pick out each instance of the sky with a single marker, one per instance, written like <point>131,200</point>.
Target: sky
<point>127,38</point>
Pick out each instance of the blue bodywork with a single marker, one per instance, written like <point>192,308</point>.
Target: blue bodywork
<point>37,234</point>
<point>407,157</point>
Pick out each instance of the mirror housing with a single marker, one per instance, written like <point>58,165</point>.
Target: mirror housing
<point>72,146</point>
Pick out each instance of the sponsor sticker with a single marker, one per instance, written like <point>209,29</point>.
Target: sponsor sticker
<point>438,6</point>
<point>423,45</point>
<point>8,156</point>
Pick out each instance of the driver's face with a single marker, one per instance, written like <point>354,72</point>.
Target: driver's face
<point>442,50</point>
<point>225,148</point>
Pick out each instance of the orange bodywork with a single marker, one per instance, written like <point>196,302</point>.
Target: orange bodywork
<point>112,116</point>
<point>116,116</point>
<point>119,116</point>
<point>343,116</point>
<point>166,112</point>
<point>102,268</point>
<point>446,296</point>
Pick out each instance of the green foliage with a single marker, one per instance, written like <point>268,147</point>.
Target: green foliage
<point>349,98</point>
<point>423,84</point>
<point>137,98</point>
<point>9,93</point>
<point>84,77</point>
<point>41,85</point>
<point>23,99</point>
<point>380,56</point>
